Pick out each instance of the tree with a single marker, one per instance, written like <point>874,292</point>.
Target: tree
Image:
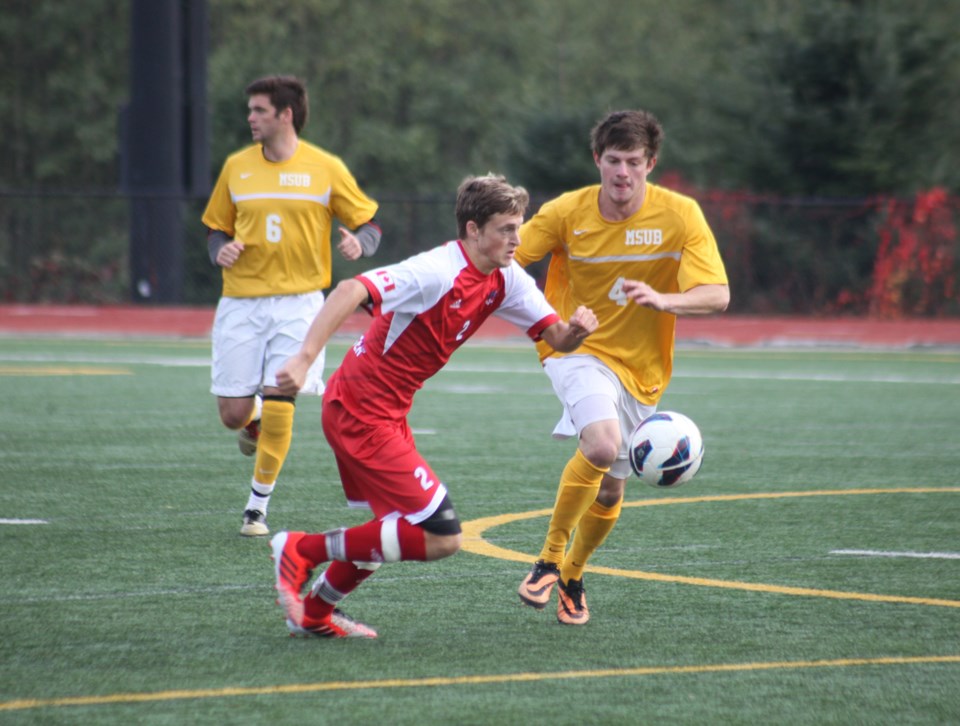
<point>848,98</point>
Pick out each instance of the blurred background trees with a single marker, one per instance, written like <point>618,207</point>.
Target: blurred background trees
<point>788,121</point>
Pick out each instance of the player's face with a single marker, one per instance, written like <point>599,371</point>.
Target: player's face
<point>623,178</point>
<point>263,118</point>
<point>497,241</point>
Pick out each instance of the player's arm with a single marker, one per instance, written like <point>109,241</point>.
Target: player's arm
<point>567,337</point>
<point>699,300</point>
<point>361,242</point>
<point>223,250</point>
<point>341,303</point>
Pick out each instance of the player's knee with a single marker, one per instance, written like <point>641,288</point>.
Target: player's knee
<point>440,546</point>
<point>232,419</point>
<point>600,452</point>
<point>442,531</point>
<point>600,443</point>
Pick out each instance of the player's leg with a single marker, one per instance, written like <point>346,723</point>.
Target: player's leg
<point>276,434</point>
<point>598,521</point>
<point>589,392</point>
<point>321,605</point>
<point>592,529</point>
<point>414,519</point>
<point>236,376</point>
<point>285,320</point>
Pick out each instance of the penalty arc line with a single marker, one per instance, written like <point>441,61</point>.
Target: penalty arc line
<point>474,542</point>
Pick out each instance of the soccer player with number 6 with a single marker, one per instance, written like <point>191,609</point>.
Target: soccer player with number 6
<point>424,308</point>
<point>637,254</point>
<point>268,219</point>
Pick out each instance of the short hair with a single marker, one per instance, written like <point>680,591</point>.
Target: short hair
<point>626,131</point>
<point>284,92</point>
<point>481,197</point>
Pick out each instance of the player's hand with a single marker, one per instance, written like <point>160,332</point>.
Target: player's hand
<point>582,322</point>
<point>349,245</point>
<point>642,294</point>
<point>229,253</point>
<point>291,376</point>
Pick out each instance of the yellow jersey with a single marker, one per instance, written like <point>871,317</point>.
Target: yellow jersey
<point>666,244</point>
<point>283,212</point>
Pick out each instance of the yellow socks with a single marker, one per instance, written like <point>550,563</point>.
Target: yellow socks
<point>594,526</point>
<point>276,433</point>
<point>579,485</point>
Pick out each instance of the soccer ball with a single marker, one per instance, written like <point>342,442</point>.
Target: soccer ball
<point>666,449</point>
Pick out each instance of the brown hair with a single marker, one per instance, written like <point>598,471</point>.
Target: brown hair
<point>284,92</point>
<point>481,197</point>
<point>626,131</point>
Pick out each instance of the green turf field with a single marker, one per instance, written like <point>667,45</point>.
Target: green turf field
<point>810,574</point>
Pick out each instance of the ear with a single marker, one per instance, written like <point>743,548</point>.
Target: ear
<point>651,162</point>
<point>286,115</point>
<point>472,229</point>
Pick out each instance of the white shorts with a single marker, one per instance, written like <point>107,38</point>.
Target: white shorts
<point>253,337</point>
<point>591,392</point>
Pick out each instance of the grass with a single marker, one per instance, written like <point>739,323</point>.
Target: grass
<point>732,599</point>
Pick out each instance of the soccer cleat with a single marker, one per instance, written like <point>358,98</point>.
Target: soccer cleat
<point>254,524</point>
<point>572,603</point>
<point>538,584</point>
<point>248,437</point>
<point>336,625</point>
<point>292,571</point>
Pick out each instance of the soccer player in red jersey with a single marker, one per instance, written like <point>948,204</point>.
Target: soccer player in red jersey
<point>423,308</point>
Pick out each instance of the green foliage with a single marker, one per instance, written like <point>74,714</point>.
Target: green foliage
<point>826,99</point>
<point>849,98</point>
<point>61,90</point>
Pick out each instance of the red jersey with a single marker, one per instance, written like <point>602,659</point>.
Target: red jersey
<point>425,308</point>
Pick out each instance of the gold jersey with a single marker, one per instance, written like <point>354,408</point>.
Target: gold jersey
<point>283,212</point>
<point>666,244</point>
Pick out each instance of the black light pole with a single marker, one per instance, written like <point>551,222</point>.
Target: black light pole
<point>164,127</point>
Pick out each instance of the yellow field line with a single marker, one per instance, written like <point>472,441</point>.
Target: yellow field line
<point>474,542</point>
<point>32,703</point>
<point>8,370</point>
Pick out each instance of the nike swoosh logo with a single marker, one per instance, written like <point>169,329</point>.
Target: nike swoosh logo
<point>578,232</point>
<point>536,592</point>
<point>246,176</point>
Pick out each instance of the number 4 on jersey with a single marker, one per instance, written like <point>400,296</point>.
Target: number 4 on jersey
<point>616,292</point>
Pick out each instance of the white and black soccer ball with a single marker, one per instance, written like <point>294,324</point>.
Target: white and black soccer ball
<point>666,449</point>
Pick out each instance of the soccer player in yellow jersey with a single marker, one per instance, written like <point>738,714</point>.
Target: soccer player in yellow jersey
<point>638,255</point>
<point>269,221</point>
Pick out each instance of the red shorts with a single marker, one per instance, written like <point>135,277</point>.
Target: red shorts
<point>380,466</point>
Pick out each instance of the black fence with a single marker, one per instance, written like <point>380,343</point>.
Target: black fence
<point>878,256</point>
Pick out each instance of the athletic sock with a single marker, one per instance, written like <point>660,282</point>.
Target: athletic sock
<point>333,585</point>
<point>392,540</point>
<point>597,522</point>
<point>578,489</point>
<point>259,497</point>
<point>276,433</point>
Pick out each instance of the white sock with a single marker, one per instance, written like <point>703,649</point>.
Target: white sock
<point>259,496</point>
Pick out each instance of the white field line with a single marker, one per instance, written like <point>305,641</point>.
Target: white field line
<point>882,553</point>
<point>531,369</point>
<point>24,521</point>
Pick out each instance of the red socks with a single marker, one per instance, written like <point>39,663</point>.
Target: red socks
<point>390,541</point>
